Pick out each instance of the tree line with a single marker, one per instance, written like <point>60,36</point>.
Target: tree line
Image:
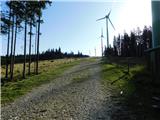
<point>58,54</point>
<point>18,18</point>
<point>49,54</point>
<point>133,45</point>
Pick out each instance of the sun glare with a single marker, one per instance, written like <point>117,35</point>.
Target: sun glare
<point>133,14</point>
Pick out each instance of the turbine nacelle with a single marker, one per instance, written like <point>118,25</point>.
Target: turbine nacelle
<point>107,19</point>
<point>107,16</point>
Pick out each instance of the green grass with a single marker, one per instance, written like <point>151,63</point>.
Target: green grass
<point>82,76</point>
<point>48,71</point>
<point>115,76</point>
<point>137,86</point>
<point>92,59</point>
<point>79,79</point>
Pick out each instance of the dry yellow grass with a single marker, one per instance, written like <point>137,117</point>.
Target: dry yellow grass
<point>44,66</point>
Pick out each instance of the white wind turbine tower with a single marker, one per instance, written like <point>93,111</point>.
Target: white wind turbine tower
<point>102,41</point>
<point>95,51</point>
<point>107,18</point>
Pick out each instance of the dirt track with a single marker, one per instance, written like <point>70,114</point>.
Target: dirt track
<point>77,95</point>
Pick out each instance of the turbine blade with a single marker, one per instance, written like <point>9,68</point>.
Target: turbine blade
<point>101,18</point>
<point>109,13</point>
<point>111,24</point>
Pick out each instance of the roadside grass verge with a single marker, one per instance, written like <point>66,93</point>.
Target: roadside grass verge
<point>135,88</point>
<point>48,71</point>
<point>116,75</point>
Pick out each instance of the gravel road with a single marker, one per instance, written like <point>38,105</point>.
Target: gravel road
<point>76,95</point>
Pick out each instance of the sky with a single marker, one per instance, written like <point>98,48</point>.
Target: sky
<point>72,25</point>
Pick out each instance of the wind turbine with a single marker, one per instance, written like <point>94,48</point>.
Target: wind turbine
<point>102,41</point>
<point>95,51</point>
<point>107,18</point>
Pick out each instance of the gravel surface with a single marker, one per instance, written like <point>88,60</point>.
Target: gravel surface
<point>77,95</point>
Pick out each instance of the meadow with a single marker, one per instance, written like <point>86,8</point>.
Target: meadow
<point>48,70</point>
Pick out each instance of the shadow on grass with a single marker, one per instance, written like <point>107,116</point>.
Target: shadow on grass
<point>142,102</point>
<point>140,98</point>
<point>121,77</point>
<point>16,78</point>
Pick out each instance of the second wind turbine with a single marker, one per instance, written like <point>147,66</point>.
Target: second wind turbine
<point>107,18</point>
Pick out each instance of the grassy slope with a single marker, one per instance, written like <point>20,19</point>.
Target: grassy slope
<point>49,70</point>
<point>137,88</point>
<point>116,74</point>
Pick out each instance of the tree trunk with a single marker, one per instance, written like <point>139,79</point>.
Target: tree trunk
<point>37,58</point>
<point>29,71</point>
<point>35,50</point>
<point>25,36</point>
<point>7,61</point>
<point>14,49</point>
<point>12,45</point>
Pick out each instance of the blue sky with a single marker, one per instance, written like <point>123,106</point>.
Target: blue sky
<point>72,24</point>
